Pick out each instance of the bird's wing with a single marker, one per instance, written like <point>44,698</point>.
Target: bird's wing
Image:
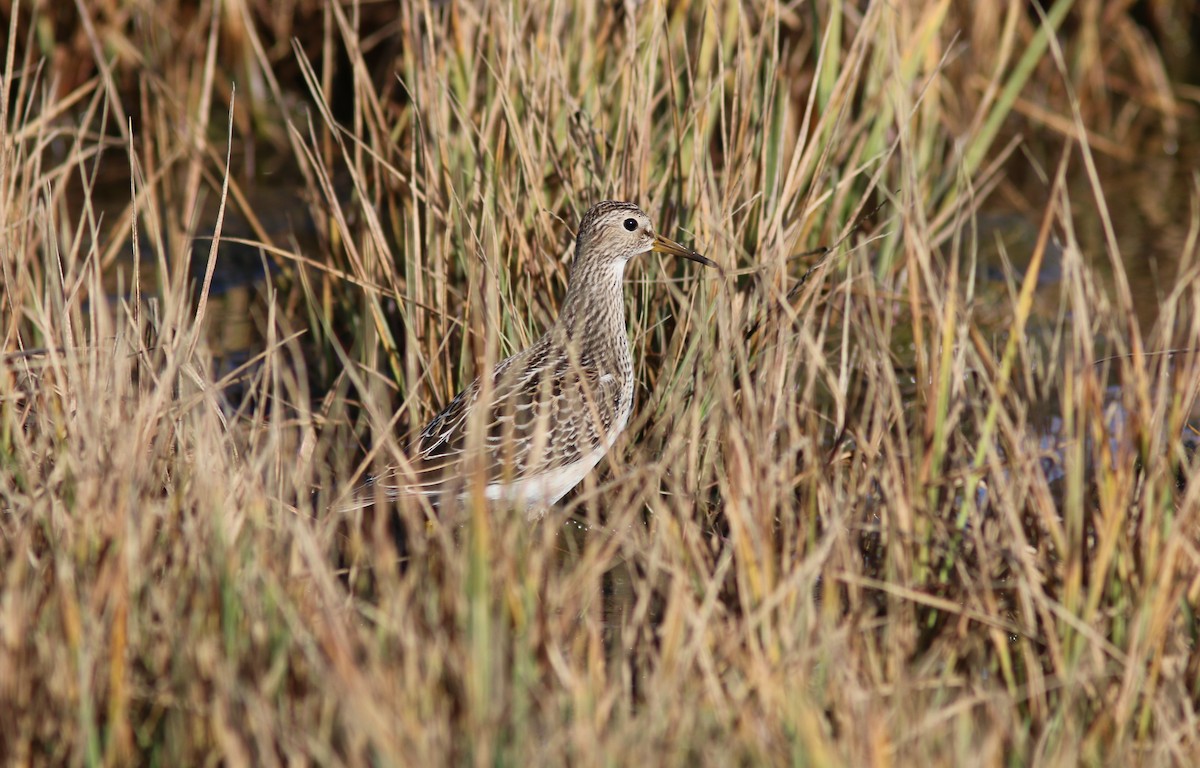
<point>546,409</point>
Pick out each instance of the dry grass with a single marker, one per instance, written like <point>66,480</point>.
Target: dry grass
<point>875,516</point>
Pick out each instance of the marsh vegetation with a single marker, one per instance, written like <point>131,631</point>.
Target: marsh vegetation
<point>908,481</point>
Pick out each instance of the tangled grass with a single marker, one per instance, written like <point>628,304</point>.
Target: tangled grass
<point>873,507</point>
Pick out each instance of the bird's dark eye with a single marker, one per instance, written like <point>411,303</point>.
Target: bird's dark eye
<point>631,224</point>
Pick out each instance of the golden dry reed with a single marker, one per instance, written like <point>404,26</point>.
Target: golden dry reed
<point>886,498</point>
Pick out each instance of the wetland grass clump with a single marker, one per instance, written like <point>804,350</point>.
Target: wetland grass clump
<point>898,487</point>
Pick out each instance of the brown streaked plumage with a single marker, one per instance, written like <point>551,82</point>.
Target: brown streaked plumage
<point>555,408</point>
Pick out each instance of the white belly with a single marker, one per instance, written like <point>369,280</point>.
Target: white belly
<point>541,491</point>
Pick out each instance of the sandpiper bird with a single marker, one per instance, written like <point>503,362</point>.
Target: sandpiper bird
<point>552,411</point>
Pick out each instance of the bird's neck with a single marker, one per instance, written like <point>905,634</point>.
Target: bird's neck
<point>593,312</point>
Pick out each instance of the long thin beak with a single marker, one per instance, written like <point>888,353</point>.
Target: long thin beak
<point>668,246</point>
